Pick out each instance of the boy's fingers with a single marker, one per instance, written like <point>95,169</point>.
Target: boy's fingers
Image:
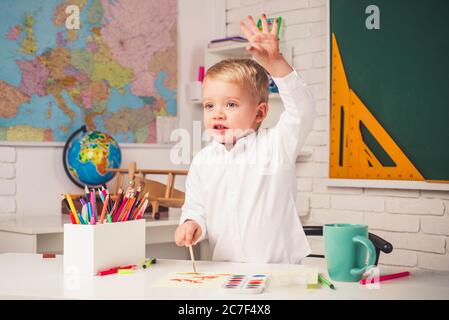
<point>245,30</point>
<point>196,235</point>
<point>179,238</point>
<point>189,236</point>
<point>274,28</point>
<point>264,23</point>
<point>252,24</point>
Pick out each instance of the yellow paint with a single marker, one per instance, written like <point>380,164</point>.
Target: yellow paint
<point>356,153</point>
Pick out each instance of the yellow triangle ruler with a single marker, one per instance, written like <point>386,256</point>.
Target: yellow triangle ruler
<point>350,157</point>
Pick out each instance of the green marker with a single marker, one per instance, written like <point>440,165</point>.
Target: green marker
<point>125,271</point>
<point>326,282</point>
<point>148,263</point>
<point>271,22</point>
<point>108,216</point>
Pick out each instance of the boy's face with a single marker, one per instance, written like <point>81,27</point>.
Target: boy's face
<point>229,110</point>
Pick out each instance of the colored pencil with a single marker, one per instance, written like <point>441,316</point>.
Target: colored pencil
<point>86,193</point>
<point>72,207</point>
<point>89,211</point>
<point>85,213</point>
<point>120,209</point>
<point>100,194</point>
<point>118,199</point>
<point>110,202</point>
<point>105,207</point>
<point>142,210</point>
<point>81,218</point>
<point>139,206</point>
<point>385,277</point>
<point>93,205</point>
<point>124,214</point>
<point>139,189</point>
<point>64,200</point>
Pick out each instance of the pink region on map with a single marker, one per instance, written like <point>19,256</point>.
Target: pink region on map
<point>86,100</point>
<point>14,33</point>
<point>134,31</point>
<point>34,77</point>
<point>142,82</point>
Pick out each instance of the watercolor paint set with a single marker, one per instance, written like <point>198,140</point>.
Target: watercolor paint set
<point>240,283</point>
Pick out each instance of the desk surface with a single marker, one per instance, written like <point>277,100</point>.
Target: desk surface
<point>28,276</point>
<point>42,224</point>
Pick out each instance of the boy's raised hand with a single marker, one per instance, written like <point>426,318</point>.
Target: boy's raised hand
<point>264,46</point>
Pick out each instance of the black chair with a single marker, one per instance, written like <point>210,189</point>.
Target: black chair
<point>379,243</point>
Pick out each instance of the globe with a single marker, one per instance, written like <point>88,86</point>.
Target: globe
<point>88,154</point>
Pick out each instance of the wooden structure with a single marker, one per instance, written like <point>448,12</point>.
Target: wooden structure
<point>159,194</point>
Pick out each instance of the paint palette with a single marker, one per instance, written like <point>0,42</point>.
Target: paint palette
<point>241,283</point>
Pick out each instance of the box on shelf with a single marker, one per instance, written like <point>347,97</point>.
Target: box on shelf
<point>89,249</point>
<point>195,90</point>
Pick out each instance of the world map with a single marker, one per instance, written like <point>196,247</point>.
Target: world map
<point>117,73</point>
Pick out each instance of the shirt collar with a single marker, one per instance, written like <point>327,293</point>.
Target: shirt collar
<point>239,146</point>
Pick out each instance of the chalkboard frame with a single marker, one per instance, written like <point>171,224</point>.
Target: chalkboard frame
<point>366,183</point>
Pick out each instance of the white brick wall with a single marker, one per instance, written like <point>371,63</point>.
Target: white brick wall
<point>7,171</point>
<point>7,180</point>
<point>416,222</point>
<point>7,187</point>
<point>7,154</point>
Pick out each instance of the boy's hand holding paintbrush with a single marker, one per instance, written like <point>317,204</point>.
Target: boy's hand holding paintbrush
<point>186,235</point>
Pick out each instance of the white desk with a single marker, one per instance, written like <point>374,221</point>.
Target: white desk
<point>29,276</point>
<point>41,233</point>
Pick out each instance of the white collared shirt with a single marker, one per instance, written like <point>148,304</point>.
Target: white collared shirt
<point>244,198</point>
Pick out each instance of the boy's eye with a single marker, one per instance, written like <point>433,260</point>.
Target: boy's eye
<point>232,105</point>
<point>208,106</point>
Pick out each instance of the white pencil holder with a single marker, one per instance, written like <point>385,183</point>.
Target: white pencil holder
<point>89,249</point>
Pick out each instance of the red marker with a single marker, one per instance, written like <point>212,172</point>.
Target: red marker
<point>385,277</point>
<point>114,270</point>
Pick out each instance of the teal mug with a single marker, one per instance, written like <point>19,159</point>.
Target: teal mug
<point>345,248</point>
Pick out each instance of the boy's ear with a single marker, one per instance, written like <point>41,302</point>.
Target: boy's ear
<point>262,111</point>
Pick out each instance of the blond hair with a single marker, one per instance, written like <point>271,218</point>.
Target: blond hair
<point>244,72</point>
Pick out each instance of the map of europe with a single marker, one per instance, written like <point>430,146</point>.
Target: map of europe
<point>114,74</point>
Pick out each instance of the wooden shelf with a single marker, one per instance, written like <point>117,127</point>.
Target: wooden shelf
<point>234,49</point>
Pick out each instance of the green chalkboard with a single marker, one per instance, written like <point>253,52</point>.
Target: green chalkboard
<point>401,73</point>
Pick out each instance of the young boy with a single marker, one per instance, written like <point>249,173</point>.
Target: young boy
<point>241,187</point>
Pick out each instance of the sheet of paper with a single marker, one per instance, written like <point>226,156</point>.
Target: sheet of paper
<point>192,280</point>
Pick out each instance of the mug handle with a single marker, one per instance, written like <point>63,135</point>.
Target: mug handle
<point>371,254</point>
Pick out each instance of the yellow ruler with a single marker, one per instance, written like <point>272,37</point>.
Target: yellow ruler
<point>350,157</point>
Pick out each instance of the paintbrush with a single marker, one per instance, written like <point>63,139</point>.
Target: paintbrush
<point>192,257</point>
